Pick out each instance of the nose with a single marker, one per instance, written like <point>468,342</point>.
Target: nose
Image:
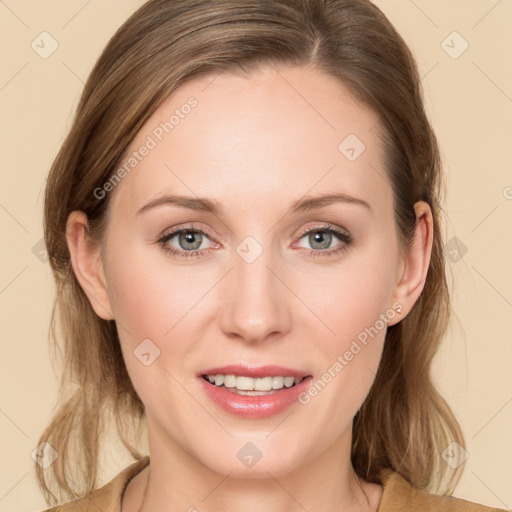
<point>256,302</point>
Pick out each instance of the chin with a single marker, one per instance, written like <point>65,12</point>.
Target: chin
<point>249,461</point>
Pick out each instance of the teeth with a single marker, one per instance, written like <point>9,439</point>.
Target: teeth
<point>289,381</point>
<point>229,381</point>
<point>243,383</point>
<point>277,382</point>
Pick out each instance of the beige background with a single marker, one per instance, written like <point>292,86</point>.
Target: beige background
<point>470,102</point>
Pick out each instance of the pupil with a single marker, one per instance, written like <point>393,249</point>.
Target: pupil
<point>188,238</point>
<point>322,238</point>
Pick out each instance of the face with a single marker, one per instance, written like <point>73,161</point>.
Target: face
<point>253,269</point>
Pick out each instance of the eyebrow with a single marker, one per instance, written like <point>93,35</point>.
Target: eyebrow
<point>212,206</point>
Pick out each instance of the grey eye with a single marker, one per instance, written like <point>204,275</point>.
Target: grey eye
<point>190,240</point>
<point>320,239</point>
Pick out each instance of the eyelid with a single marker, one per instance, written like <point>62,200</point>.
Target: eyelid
<point>192,227</point>
<point>343,236</point>
<point>323,226</point>
<point>187,227</point>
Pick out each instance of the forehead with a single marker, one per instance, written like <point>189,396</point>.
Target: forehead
<point>244,139</point>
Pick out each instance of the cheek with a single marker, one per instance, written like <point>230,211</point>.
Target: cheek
<point>159,300</point>
<point>139,298</point>
<point>150,301</point>
<point>146,299</point>
<point>148,293</point>
<point>353,301</point>
<point>350,296</point>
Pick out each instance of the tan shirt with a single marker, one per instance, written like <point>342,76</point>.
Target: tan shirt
<point>397,496</point>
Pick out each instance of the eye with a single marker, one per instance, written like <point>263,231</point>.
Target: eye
<point>321,239</point>
<point>189,242</point>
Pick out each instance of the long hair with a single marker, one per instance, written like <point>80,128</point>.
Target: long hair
<point>404,423</point>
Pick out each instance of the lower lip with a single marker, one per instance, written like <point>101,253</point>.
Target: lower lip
<point>260,406</point>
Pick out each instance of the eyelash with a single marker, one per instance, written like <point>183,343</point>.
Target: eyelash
<point>342,236</point>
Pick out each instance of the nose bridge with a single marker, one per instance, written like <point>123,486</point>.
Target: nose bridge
<point>255,303</point>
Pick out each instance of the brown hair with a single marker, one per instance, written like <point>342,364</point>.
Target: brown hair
<point>404,423</point>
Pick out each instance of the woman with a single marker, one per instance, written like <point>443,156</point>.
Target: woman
<point>244,227</point>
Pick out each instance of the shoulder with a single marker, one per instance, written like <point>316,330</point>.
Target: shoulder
<point>398,494</point>
<point>107,497</point>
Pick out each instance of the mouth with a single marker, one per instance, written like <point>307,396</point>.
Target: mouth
<point>249,386</point>
<point>253,392</point>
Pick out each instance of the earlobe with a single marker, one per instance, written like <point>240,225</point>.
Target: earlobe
<point>414,266</point>
<point>87,264</point>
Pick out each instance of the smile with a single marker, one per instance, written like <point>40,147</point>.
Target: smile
<point>253,392</point>
<point>253,386</point>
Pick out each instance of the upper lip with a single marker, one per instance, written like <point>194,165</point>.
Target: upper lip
<point>245,370</point>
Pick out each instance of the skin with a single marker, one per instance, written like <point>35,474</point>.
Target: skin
<point>255,144</point>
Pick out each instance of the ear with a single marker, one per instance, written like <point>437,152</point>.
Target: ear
<point>87,264</point>
<point>413,268</point>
